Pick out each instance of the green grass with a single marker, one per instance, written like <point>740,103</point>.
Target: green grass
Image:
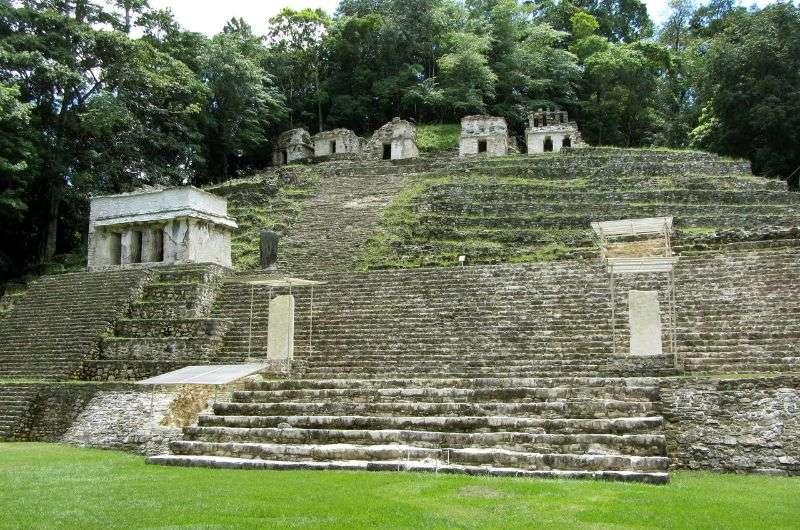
<point>53,486</point>
<point>444,137</point>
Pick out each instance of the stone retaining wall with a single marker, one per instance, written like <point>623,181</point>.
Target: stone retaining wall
<point>739,425</point>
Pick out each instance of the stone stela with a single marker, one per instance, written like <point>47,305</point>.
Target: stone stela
<point>280,332</point>
<point>644,318</point>
<point>269,249</point>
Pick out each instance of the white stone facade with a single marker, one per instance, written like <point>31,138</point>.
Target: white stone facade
<point>483,135</point>
<point>292,146</point>
<point>159,227</point>
<point>396,140</point>
<point>550,131</point>
<point>337,142</point>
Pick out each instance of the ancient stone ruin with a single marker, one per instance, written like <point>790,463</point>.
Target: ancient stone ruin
<point>550,130</point>
<point>483,135</point>
<point>338,143</point>
<point>292,146</point>
<point>684,358</point>
<point>155,226</point>
<point>397,140</point>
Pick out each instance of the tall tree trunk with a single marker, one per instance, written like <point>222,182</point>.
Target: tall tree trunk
<point>48,248</point>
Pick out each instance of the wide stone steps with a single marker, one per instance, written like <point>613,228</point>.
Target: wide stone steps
<point>402,465</point>
<point>464,424</point>
<point>572,408</point>
<point>604,444</point>
<point>434,394</point>
<point>470,456</point>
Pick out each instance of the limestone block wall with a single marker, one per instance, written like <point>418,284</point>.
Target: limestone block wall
<point>139,419</point>
<point>292,146</point>
<point>741,425</point>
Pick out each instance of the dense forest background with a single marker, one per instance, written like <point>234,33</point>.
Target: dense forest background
<point>99,97</point>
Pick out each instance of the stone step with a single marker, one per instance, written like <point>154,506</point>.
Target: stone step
<point>606,444</point>
<point>433,394</point>
<point>463,424</point>
<point>403,465</point>
<point>572,408</point>
<point>171,327</point>
<point>466,456</point>
<point>459,382</point>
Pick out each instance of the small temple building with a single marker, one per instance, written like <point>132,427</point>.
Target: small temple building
<point>483,135</point>
<point>337,143</point>
<point>550,130</point>
<point>292,146</point>
<point>396,140</point>
<point>159,226</point>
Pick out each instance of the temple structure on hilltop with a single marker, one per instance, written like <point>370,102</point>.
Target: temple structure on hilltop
<point>550,130</point>
<point>156,226</point>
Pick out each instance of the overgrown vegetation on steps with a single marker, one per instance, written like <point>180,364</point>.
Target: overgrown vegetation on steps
<point>271,200</point>
<point>524,209</point>
<point>437,138</point>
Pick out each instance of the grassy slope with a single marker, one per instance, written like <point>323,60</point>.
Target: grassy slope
<point>57,486</point>
<point>442,137</point>
<point>269,201</point>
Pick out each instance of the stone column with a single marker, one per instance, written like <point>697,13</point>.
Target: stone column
<point>127,250</point>
<point>148,247</point>
<point>644,315</point>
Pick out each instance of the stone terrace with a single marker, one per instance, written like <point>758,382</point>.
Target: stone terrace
<point>56,324</point>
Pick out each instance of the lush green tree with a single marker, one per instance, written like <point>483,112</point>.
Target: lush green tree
<point>466,78</point>
<point>15,149</point>
<point>619,20</point>
<point>751,91</point>
<point>296,41</point>
<point>244,103</point>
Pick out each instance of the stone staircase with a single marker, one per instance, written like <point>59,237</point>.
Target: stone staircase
<point>335,224</point>
<point>56,324</point>
<point>16,401</point>
<point>735,314</point>
<point>168,328</point>
<point>600,428</point>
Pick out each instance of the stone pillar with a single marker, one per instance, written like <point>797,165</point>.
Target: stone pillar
<point>644,315</point>
<point>280,330</point>
<point>127,250</point>
<point>269,249</point>
<point>148,245</point>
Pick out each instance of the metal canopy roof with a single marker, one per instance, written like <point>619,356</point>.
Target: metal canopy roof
<point>640,265</point>
<point>633,227</point>
<point>276,282</point>
<point>219,374</point>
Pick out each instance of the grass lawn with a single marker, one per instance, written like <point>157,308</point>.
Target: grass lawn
<point>46,485</point>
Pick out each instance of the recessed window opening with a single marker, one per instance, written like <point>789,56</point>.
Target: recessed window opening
<point>158,244</point>
<point>284,157</point>
<point>567,142</point>
<point>115,243</point>
<point>333,147</point>
<point>548,145</point>
<point>387,151</point>
<point>136,246</point>
<point>481,146</point>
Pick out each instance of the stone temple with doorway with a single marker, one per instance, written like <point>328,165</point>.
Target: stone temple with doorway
<point>292,146</point>
<point>483,135</point>
<point>550,130</point>
<point>621,314</point>
<point>337,143</point>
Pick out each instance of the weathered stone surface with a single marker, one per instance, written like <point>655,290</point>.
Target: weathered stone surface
<point>644,316</point>
<point>337,142</point>
<point>397,139</point>
<point>137,419</point>
<point>280,345</point>
<point>550,131</point>
<point>734,424</point>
